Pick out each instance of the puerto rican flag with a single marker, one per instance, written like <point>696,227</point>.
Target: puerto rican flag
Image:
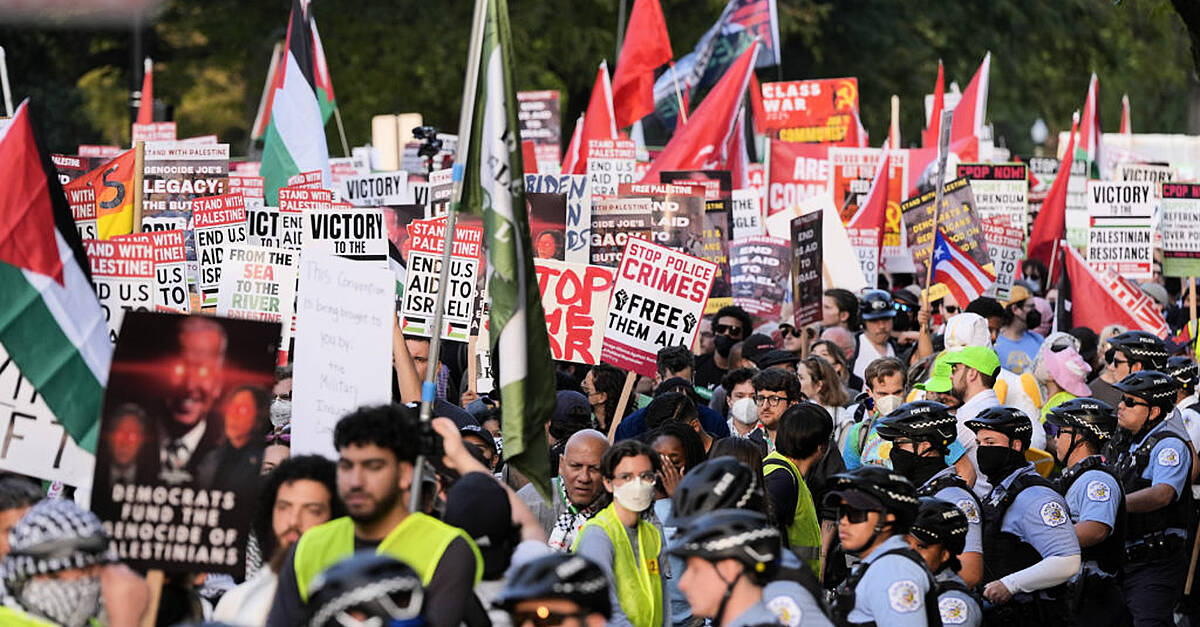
<point>962,275</point>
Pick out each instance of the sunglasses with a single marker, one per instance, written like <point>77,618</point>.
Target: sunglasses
<point>1129,402</point>
<point>792,331</point>
<point>951,309</point>
<point>543,617</point>
<point>727,329</point>
<point>279,438</point>
<point>852,514</point>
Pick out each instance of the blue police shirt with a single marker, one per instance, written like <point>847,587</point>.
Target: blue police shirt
<point>956,606</point>
<point>965,501</point>
<point>1038,516</point>
<point>1170,461</point>
<point>791,604</point>
<point>891,592</point>
<point>1094,496</point>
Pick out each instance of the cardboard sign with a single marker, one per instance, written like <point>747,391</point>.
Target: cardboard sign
<point>174,174</point>
<point>182,426</point>
<point>372,190</point>
<point>34,442</point>
<point>807,259</point>
<point>747,214</point>
<point>579,209</point>
<point>154,132</point>
<point>1144,173</point>
<point>357,234</point>
<point>426,241</point>
<point>613,222</point>
<point>170,269</point>
<point>1077,205</point>
<point>575,297</point>
<point>1006,246</point>
<point>657,302</point>
<point>539,115</point>
<point>70,167</point>
<point>759,269</point>
<point>441,192</point>
<point>818,111</point>
<point>865,243</point>
<point>1001,190</point>
<point>219,221</point>
<point>82,198</point>
<point>123,275</point>
<point>797,172</point>
<point>677,213</point>
<point>1181,229</point>
<point>344,313</point>
<point>1120,237</point>
<point>340,169</point>
<point>293,204</point>
<point>958,220</point>
<point>611,163</point>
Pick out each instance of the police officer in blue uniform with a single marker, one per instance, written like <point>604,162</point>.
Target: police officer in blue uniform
<point>921,433</point>
<point>939,534</point>
<point>1080,429</point>
<point>891,585</point>
<point>1154,460</point>
<point>1029,545</point>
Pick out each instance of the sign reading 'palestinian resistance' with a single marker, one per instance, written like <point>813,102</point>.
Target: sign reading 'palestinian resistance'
<point>1120,237</point>
<point>575,297</point>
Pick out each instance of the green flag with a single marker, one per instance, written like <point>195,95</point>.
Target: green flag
<point>491,185</point>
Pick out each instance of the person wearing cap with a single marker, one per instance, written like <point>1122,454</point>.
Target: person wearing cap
<point>730,554</point>
<point>1062,371</point>
<point>1029,547</point>
<point>1154,460</point>
<point>559,590</point>
<point>776,358</point>
<point>939,534</point>
<point>875,508</point>
<point>922,434</point>
<point>1017,343</point>
<point>366,589</point>
<point>1127,352</point>
<point>875,340</point>
<point>1096,503</point>
<point>972,380</point>
<point>577,492</point>
<point>974,329</point>
<point>1185,372</point>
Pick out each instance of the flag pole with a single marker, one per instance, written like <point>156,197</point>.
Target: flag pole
<point>337,116</point>
<point>940,190</point>
<point>466,116</point>
<point>139,160</point>
<point>678,95</point>
<point>8,109</point>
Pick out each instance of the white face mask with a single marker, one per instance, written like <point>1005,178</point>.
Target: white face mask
<point>888,404</point>
<point>744,411</point>
<point>635,495</point>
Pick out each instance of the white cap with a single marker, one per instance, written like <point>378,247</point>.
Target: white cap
<point>967,329</point>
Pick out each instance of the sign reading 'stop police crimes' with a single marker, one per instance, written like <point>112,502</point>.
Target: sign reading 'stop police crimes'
<point>181,440</point>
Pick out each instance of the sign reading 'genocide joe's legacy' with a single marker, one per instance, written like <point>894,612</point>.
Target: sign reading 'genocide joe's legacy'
<point>657,302</point>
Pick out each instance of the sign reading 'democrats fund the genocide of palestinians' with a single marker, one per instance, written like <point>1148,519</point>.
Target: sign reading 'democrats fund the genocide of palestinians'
<point>575,297</point>
<point>657,301</point>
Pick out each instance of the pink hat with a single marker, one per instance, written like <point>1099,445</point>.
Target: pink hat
<point>1069,370</point>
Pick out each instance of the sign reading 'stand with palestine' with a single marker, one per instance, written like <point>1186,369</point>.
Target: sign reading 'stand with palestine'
<point>657,301</point>
<point>219,221</point>
<point>1181,229</point>
<point>1006,245</point>
<point>611,163</point>
<point>426,241</point>
<point>123,275</point>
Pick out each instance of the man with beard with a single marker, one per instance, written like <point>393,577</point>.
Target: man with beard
<point>196,380</point>
<point>577,492</point>
<point>377,447</point>
<point>973,372</point>
<point>730,326</point>
<point>296,496</point>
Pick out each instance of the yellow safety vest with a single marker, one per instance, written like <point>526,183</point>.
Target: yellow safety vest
<point>639,586</point>
<point>418,541</point>
<point>12,617</point>
<point>804,534</point>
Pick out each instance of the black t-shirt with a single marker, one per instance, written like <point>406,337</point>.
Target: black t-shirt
<point>706,373</point>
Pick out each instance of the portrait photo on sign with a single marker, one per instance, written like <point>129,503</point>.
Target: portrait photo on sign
<point>548,224</point>
<point>182,432</point>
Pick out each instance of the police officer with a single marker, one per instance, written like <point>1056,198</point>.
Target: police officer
<point>939,534</point>
<point>1096,502</point>
<point>1029,547</point>
<point>921,433</point>
<point>875,507</point>
<point>731,554</point>
<point>875,340</point>
<point>1154,461</point>
<point>1185,372</point>
<point>366,589</point>
<point>557,590</point>
<point>1127,353</point>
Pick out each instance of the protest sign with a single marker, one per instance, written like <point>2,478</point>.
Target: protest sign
<point>957,219</point>
<point>174,174</point>
<point>425,245</point>
<point>1077,204</point>
<point>611,163</point>
<point>717,186</point>
<point>747,214</point>
<point>1120,237</point>
<point>218,221</point>
<point>441,192</point>
<point>357,233</point>
<point>32,441</point>
<point>245,168</point>
<point>69,167</point>
<point>1181,229</point>
<point>154,132</point>
<point>182,426</point>
<point>613,222</point>
<point>1006,246</point>
<point>540,118</point>
<point>293,204</point>
<point>1144,173</point>
<point>865,243</point>
<point>819,110</point>
<point>677,214</point>
<point>579,208</point>
<point>247,186</point>
<point>575,297</point>
<point>340,169</point>
<point>851,173</point>
<point>170,269</point>
<point>372,190</point>
<point>264,227</point>
<point>759,272</point>
<point>1001,190</point>
<point>259,283</point>
<point>807,263</point>
<point>547,224</point>
<point>313,179</point>
<point>81,196</point>
<point>123,275</point>
<point>100,152</point>
<point>657,302</point>
<point>796,172</point>
<point>344,313</point>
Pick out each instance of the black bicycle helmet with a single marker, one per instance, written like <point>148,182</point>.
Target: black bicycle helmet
<point>1139,347</point>
<point>1185,371</point>
<point>882,488</point>
<point>721,483</point>
<point>376,585</point>
<point>737,534</point>
<point>1152,386</point>
<point>876,304</point>
<point>1007,420</point>
<point>940,522</point>
<point>558,576</point>
<point>928,421</point>
<point>1094,419</point>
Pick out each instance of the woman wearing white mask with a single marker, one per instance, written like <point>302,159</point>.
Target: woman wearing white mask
<point>629,549</point>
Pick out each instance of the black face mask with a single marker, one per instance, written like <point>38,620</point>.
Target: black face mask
<point>724,344</point>
<point>916,468</point>
<point>1033,319</point>
<point>998,462</point>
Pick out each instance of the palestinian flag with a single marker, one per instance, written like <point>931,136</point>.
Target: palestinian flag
<point>50,321</point>
<point>295,140</point>
<point>324,83</point>
<point>491,186</point>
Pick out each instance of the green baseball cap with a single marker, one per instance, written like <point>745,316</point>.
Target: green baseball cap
<point>939,380</point>
<point>980,358</point>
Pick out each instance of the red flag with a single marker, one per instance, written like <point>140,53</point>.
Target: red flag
<point>646,47</point>
<point>1089,123</point>
<point>972,108</point>
<point>31,203</point>
<point>598,122</point>
<point>739,159</point>
<point>929,138</point>
<point>704,143</point>
<point>856,135</point>
<point>872,213</point>
<point>1099,299</point>
<point>1126,124</point>
<point>573,150</point>
<point>146,108</point>
<point>759,114</point>
<point>1051,223</point>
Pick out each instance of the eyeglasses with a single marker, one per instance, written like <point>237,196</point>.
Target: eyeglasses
<point>732,330</point>
<point>1129,402</point>
<point>1119,362</point>
<point>852,514</point>
<point>626,477</point>
<point>543,617</point>
<point>770,401</point>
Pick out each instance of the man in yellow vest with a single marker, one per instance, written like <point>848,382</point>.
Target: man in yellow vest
<point>377,447</point>
<point>803,434</point>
